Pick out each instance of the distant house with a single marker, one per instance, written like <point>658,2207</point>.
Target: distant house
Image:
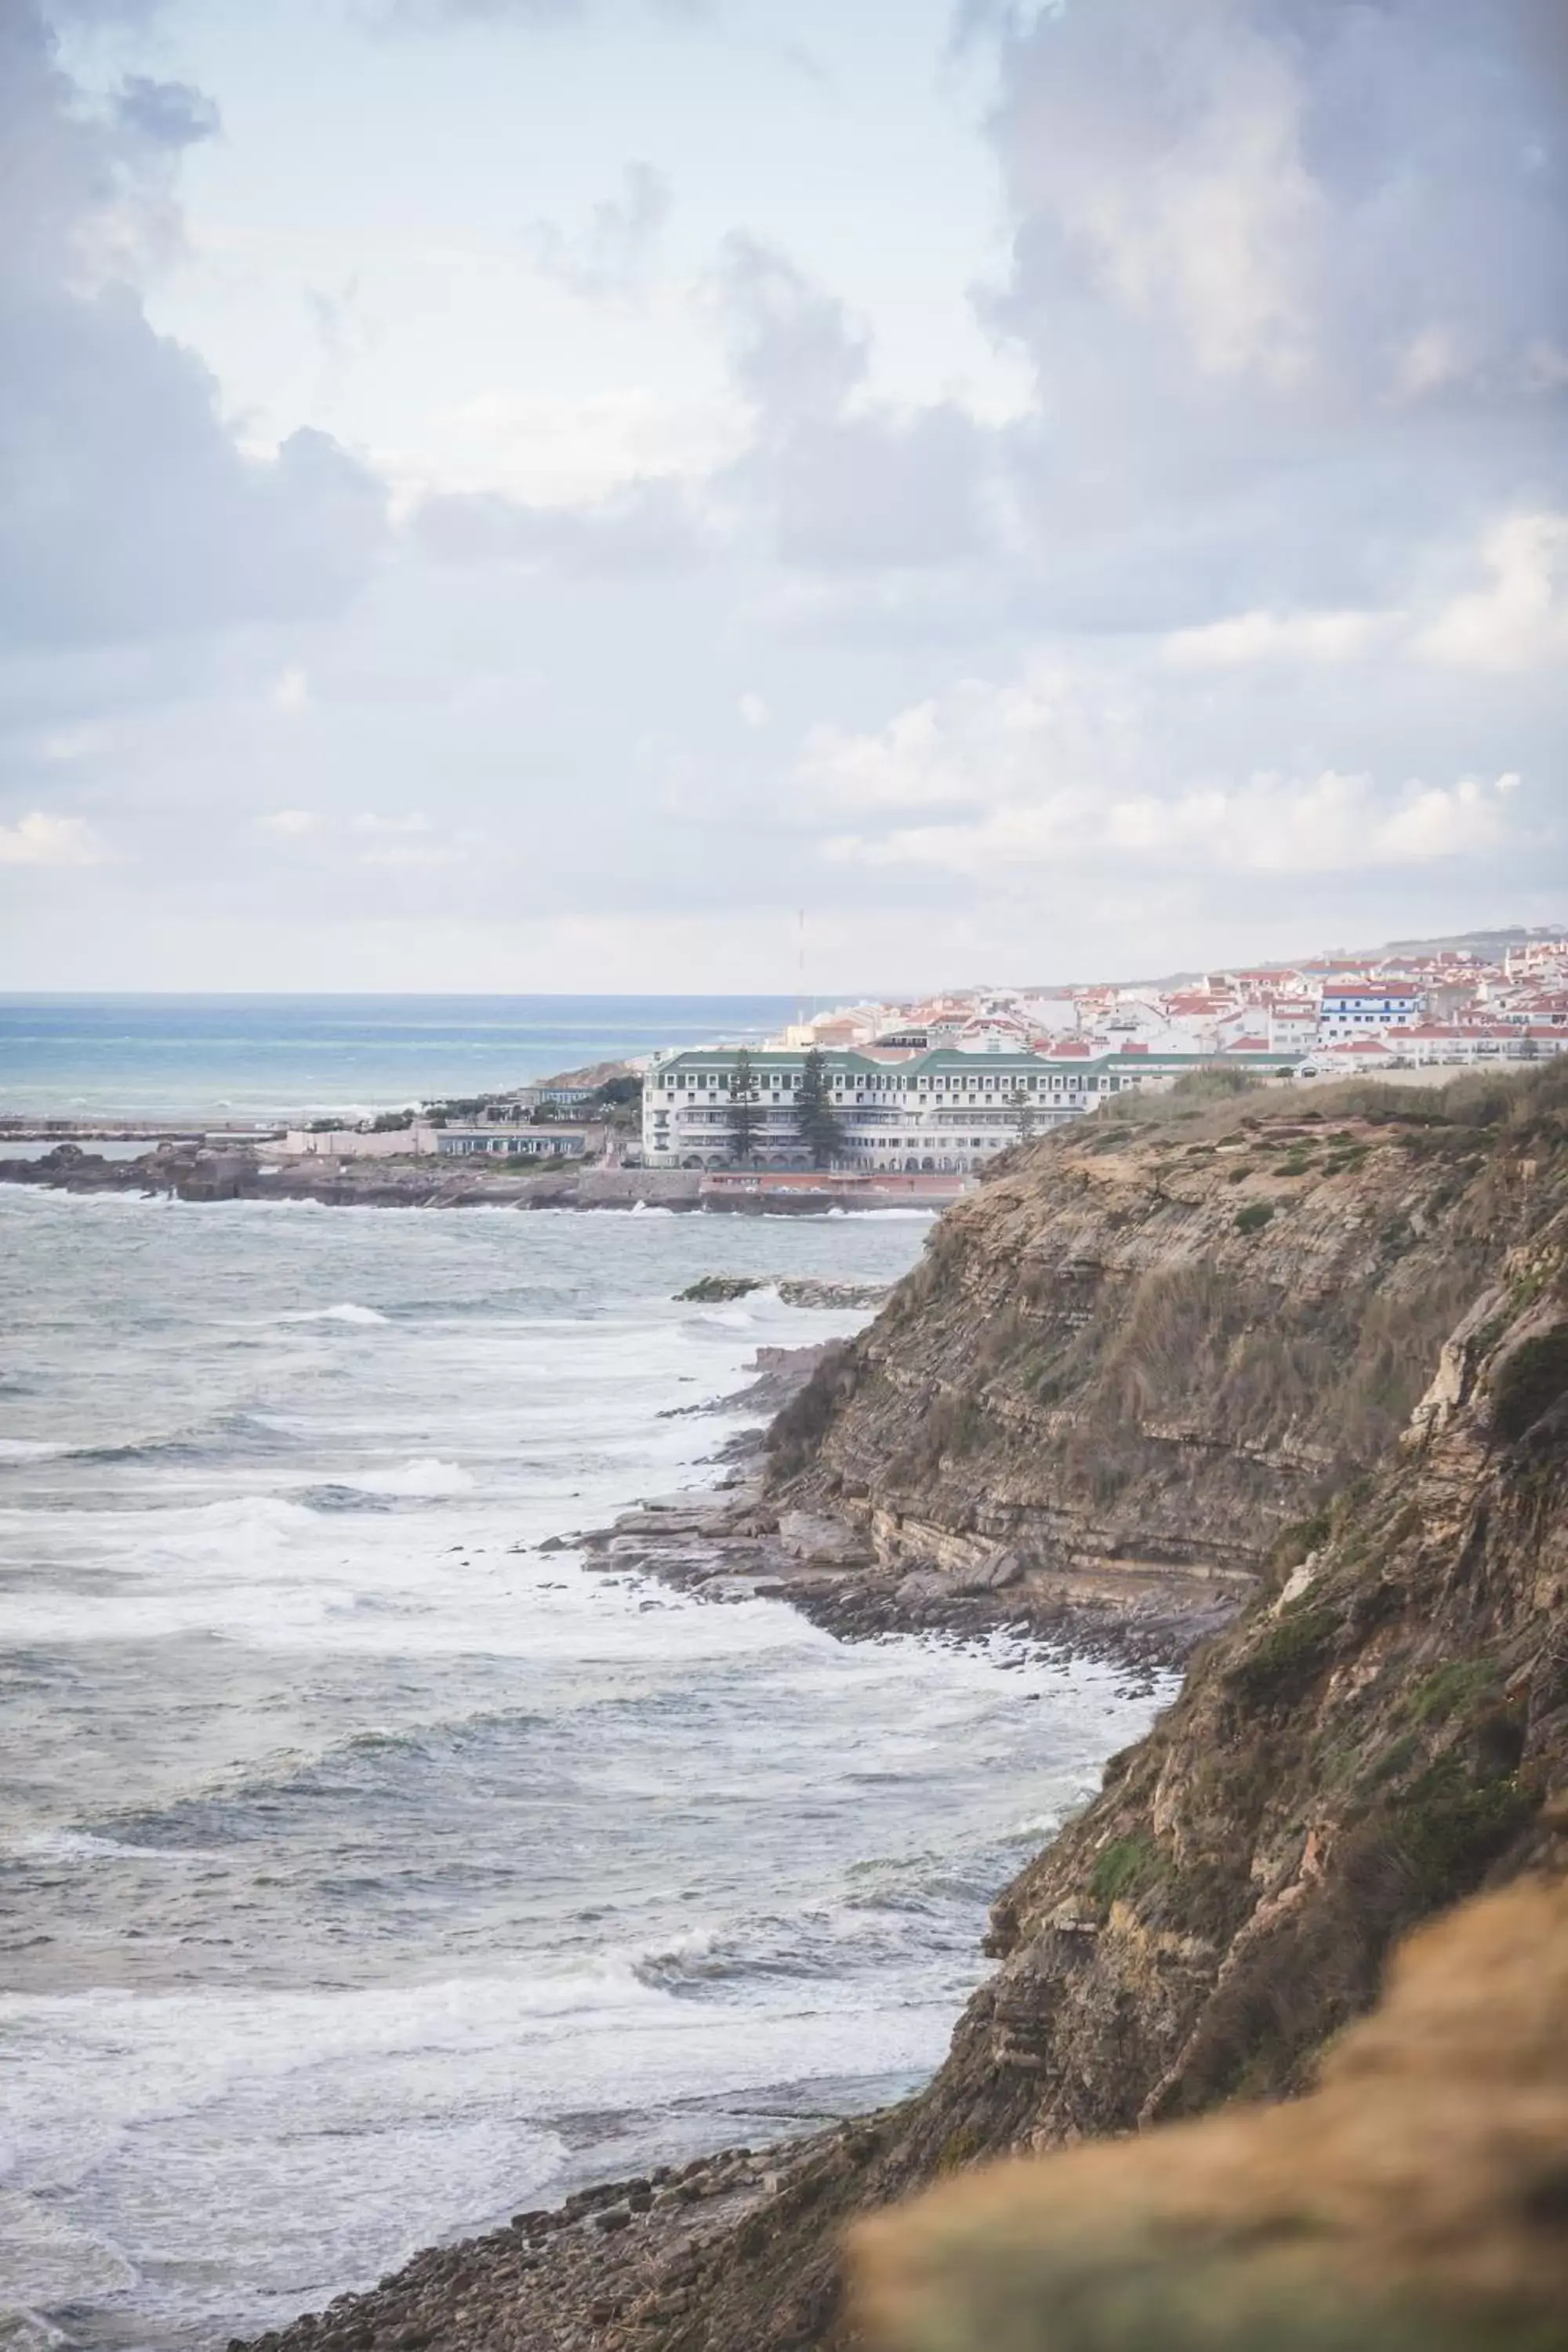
<point>560,1095</point>
<point>1367,1008</point>
<point>559,1141</point>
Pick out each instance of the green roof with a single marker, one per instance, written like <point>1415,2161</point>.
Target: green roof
<point>941,1060</point>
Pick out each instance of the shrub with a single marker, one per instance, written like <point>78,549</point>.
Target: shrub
<point>1289,1657</point>
<point>1448,1826</point>
<point>1126,1866</point>
<point>1450,1688</point>
<point>1254,1217</point>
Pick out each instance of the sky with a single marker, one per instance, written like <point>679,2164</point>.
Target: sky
<point>722,495</point>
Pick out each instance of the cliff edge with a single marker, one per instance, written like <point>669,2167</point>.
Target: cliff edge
<point>1151,1344</point>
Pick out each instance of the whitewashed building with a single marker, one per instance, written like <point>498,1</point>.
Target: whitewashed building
<point>1368,1008</point>
<point>937,1113</point>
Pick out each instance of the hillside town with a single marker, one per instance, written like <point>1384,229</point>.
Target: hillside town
<point>938,1087</point>
<point>933,1088</point>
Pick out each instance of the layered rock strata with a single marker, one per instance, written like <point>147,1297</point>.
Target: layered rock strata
<point>1146,1348</point>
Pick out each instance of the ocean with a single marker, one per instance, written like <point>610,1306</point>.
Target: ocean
<point>367,1872</point>
<point>237,1058</point>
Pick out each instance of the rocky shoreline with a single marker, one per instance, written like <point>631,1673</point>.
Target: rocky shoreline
<point>594,2271</point>
<point>187,1170</point>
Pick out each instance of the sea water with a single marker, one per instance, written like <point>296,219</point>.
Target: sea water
<point>271,1057</point>
<point>367,1872</point>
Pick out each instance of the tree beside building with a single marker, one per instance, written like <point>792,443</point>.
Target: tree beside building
<point>744,1119</point>
<point>816,1121</point>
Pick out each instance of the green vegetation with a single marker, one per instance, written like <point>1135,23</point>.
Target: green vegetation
<point>1124,1868</point>
<point>1254,1217</point>
<point>1451,1690</point>
<point>1448,1825</point>
<point>1291,1656</point>
<point>1214,1083</point>
<point>815,1120</point>
<point>744,1111</point>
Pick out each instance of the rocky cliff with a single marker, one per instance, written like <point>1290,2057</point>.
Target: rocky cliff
<point>1383,1729</point>
<point>1413,2203</point>
<point>1153,1343</point>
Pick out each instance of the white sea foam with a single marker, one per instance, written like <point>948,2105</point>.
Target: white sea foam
<point>441,1850</point>
<point>427,1476</point>
<point>347,1312</point>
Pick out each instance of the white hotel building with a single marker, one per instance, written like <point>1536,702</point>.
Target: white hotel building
<point>937,1113</point>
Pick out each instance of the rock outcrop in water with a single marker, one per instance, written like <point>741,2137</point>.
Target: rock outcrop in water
<point>1353,1411</point>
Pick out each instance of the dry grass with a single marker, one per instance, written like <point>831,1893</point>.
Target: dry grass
<point>1415,2203</point>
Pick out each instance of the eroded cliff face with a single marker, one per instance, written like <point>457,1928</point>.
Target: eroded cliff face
<point>1144,1350</point>
<point>1383,1730</point>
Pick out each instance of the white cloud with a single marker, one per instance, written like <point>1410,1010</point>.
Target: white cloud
<point>1520,620</point>
<point>40,839</point>
<point>1063,726</point>
<point>754,711</point>
<point>1266,824</point>
<point>611,256</point>
<point>292,693</point>
<point>292,823</point>
<point>65,745</point>
<point>1258,637</point>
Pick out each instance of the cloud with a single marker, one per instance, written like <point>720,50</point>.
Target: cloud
<point>794,349</point>
<point>291,824</point>
<point>1093,760</point>
<point>1291,278</point>
<point>1265,823</point>
<point>612,257</point>
<point>40,839</point>
<point>1257,637</point>
<point>127,508</point>
<point>839,485</point>
<point>646,527</point>
<point>370,839</point>
<point>168,114</point>
<point>1520,620</point>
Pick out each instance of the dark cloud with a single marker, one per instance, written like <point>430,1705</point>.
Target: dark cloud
<point>171,114</point>
<point>1293,279</point>
<point>840,486</point>
<point>127,508</point>
<point>796,351</point>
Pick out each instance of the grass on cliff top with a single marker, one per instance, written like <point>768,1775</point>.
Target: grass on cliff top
<point>1207,1103</point>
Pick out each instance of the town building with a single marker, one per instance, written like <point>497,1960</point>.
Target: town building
<point>939,1112</point>
<point>560,1141</point>
<point>1367,1008</point>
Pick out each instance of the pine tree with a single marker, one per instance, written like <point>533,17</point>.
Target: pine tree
<point>815,1120</point>
<point>744,1110</point>
<point>1022,1105</point>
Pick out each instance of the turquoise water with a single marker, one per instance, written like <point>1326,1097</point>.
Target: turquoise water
<point>265,1057</point>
